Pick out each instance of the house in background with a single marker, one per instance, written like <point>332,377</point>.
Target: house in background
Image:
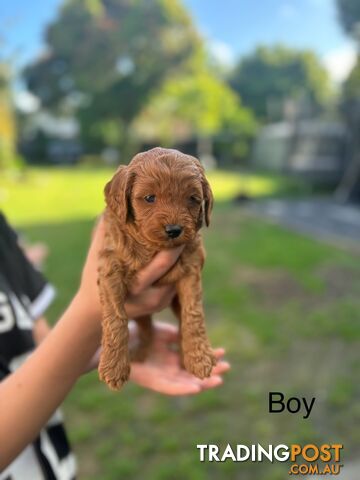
<point>51,140</point>
<point>315,149</point>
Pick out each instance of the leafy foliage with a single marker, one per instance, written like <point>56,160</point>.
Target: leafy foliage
<point>196,103</point>
<point>272,75</point>
<point>349,15</point>
<point>105,57</point>
<point>195,106</point>
<point>8,156</point>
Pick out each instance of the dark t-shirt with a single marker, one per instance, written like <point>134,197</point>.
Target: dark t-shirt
<point>24,296</point>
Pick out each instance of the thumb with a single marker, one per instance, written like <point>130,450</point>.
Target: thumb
<point>159,265</point>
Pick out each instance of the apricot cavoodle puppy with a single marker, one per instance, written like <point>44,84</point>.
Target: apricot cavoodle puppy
<point>156,202</point>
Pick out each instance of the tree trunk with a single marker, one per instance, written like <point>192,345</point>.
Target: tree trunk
<point>349,186</point>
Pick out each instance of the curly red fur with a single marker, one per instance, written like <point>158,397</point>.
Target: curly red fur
<point>134,233</point>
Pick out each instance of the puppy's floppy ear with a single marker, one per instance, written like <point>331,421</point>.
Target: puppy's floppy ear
<point>208,199</point>
<point>118,191</point>
<point>207,193</point>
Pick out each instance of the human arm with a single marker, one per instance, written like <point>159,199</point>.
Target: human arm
<point>29,396</point>
<point>43,381</point>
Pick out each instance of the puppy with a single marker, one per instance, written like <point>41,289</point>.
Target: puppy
<point>158,201</point>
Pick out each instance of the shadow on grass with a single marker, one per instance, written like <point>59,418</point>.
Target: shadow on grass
<point>287,310</point>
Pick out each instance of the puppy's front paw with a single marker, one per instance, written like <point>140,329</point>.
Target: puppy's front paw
<point>199,362</point>
<point>114,377</point>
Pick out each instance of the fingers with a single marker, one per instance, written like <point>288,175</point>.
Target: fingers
<point>186,384</point>
<point>221,367</point>
<point>216,375</point>
<point>211,382</point>
<point>216,379</point>
<point>219,352</point>
<point>187,387</point>
<point>162,296</point>
<point>175,381</point>
<point>161,382</point>
<point>180,388</point>
<point>152,300</point>
<point>159,265</point>
<point>156,298</point>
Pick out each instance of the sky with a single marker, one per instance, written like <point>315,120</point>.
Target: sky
<point>235,27</point>
<point>231,27</point>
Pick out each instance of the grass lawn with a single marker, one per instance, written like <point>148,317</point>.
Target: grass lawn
<point>62,194</point>
<point>285,307</point>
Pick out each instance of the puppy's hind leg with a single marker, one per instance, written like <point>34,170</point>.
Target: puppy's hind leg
<point>114,365</point>
<point>140,351</point>
<point>198,356</point>
<point>176,309</point>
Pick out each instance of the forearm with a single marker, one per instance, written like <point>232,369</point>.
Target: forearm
<point>29,396</point>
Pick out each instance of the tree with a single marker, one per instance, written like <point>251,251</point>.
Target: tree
<point>270,76</point>
<point>195,105</point>
<point>106,57</point>
<point>8,155</point>
<point>349,16</point>
<point>349,186</point>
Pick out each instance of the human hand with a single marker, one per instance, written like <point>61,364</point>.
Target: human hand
<point>162,372</point>
<point>143,298</point>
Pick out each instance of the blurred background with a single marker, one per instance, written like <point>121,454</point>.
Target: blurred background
<point>267,95</point>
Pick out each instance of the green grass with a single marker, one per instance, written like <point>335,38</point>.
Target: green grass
<point>57,194</point>
<point>286,308</point>
<point>53,195</point>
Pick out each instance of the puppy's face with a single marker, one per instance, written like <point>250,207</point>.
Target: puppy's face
<point>167,206</point>
<point>166,196</point>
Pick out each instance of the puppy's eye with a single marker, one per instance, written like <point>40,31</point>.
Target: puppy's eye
<point>195,199</point>
<point>150,198</point>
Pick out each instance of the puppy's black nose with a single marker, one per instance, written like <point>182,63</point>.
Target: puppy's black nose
<point>173,231</point>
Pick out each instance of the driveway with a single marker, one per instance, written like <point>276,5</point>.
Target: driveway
<point>321,218</point>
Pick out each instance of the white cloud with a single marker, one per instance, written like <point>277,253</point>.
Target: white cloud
<point>339,62</point>
<point>222,52</point>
